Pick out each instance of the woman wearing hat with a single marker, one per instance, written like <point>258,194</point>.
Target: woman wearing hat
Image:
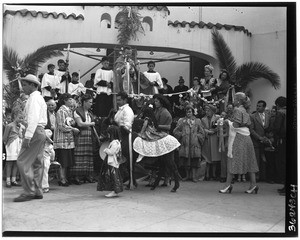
<point>241,154</point>
<point>211,144</point>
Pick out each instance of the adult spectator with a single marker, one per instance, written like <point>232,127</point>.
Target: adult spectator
<point>210,149</point>
<point>179,88</point>
<point>260,121</point>
<point>190,133</point>
<point>241,154</point>
<point>83,168</point>
<point>29,161</point>
<point>280,140</point>
<point>64,132</point>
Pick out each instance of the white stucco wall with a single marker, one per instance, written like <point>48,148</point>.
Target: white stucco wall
<point>274,55</point>
<point>26,34</point>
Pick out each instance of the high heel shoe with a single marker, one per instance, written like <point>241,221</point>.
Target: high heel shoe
<point>252,190</point>
<point>227,189</point>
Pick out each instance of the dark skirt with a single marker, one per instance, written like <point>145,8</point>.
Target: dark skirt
<point>110,179</point>
<point>65,157</point>
<point>103,104</point>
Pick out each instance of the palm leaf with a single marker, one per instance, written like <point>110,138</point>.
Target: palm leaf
<point>34,60</point>
<point>224,54</point>
<point>129,26</point>
<point>11,63</point>
<point>251,71</point>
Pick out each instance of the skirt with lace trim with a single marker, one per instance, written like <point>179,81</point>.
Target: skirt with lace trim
<point>155,148</point>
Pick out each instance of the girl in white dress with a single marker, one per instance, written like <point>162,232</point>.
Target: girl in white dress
<point>12,138</point>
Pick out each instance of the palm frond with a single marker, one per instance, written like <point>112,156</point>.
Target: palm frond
<point>11,63</point>
<point>129,26</point>
<point>224,54</point>
<point>251,71</point>
<point>34,60</point>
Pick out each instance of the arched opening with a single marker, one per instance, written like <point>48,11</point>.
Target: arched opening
<point>105,20</point>
<point>118,19</point>
<point>147,24</point>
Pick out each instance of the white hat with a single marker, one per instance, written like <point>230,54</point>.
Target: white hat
<point>48,135</point>
<point>31,78</point>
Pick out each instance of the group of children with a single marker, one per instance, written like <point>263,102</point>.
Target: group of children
<point>12,138</point>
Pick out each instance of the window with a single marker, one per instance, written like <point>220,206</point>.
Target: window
<point>105,20</point>
<point>147,24</point>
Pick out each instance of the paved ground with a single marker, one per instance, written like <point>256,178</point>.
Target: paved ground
<point>196,208</point>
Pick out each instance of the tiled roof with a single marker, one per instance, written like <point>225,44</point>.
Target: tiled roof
<point>44,14</point>
<point>159,8</point>
<point>209,25</point>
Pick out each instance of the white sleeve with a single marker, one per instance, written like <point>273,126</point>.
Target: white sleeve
<point>45,82</point>
<point>97,77</point>
<point>159,81</point>
<point>113,149</point>
<point>128,119</point>
<point>34,111</point>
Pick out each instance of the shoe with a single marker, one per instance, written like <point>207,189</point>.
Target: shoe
<point>90,180</point>
<point>16,184</point>
<point>8,184</point>
<point>222,180</point>
<point>76,181</point>
<point>24,198</point>
<point>63,184</point>
<point>252,190</point>
<point>111,194</point>
<point>164,185</point>
<point>46,190</point>
<point>243,179</point>
<point>281,190</point>
<point>227,189</point>
<point>38,197</point>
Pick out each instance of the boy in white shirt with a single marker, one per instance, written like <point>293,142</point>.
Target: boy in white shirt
<point>50,84</point>
<point>153,77</point>
<point>75,88</point>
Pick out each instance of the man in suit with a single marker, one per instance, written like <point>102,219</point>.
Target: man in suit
<point>259,123</point>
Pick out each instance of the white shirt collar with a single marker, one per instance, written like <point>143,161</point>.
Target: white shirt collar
<point>122,107</point>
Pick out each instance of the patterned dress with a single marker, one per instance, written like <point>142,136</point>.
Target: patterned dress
<point>243,155</point>
<point>63,140</point>
<point>84,166</point>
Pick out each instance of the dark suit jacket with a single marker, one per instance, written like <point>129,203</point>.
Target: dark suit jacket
<point>257,129</point>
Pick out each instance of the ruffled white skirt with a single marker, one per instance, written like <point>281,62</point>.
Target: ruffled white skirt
<point>156,148</point>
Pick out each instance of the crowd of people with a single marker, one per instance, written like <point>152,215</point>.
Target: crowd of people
<point>206,132</point>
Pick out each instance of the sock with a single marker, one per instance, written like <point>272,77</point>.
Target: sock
<point>13,179</point>
<point>8,180</point>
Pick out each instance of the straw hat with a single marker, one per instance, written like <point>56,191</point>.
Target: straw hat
<point>31,78</point>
